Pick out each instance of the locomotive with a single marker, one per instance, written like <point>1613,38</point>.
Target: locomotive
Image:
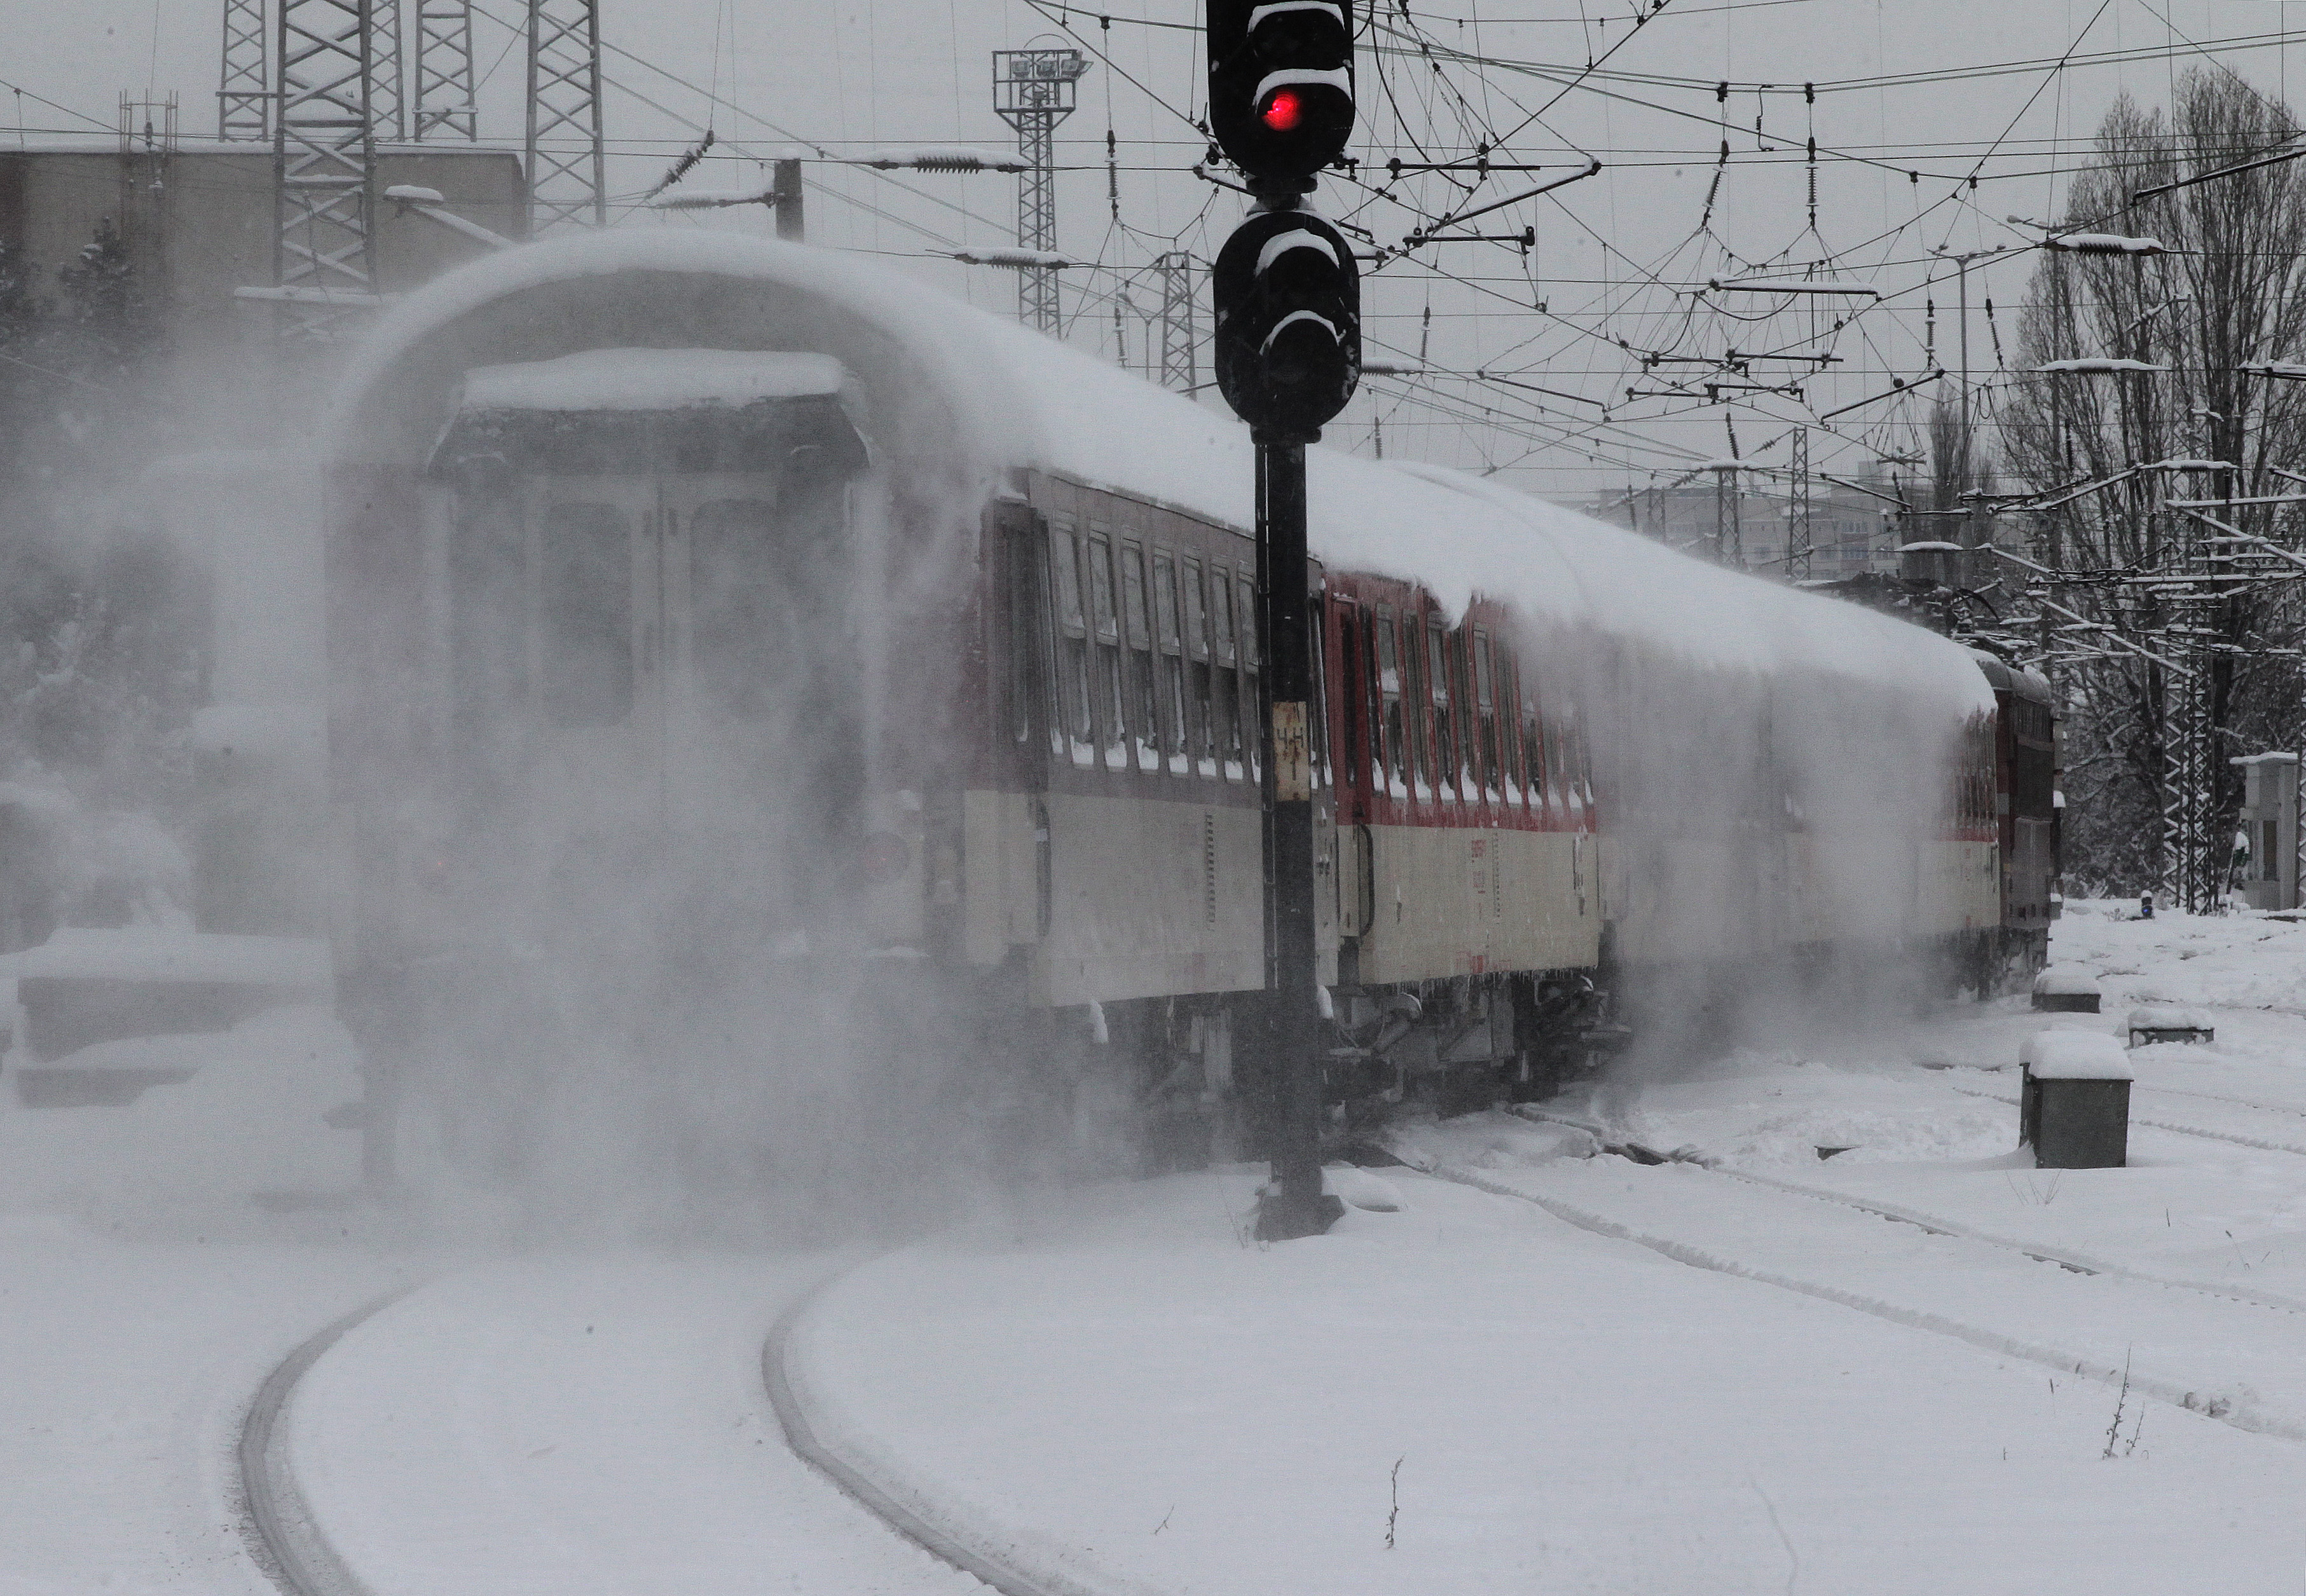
<point>728,637</point>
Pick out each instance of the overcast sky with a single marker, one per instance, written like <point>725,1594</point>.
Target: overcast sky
<point>1615,256</point>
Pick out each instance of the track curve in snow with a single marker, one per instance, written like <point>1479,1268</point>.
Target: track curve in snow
<point>808,1436</point>
<point>276,1522</point>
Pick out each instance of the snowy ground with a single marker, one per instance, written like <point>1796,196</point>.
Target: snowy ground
<point>1900,1369</point>
<point>1902,1374</point>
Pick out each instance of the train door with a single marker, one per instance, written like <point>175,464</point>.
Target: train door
<point>759,747</point>
<point>594,639</point>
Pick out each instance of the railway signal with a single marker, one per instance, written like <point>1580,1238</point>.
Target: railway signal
<point>1288,307</point>
<point>1288,357</point>
<point>1281,86</point>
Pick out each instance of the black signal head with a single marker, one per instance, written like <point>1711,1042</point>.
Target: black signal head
<point>1288,312</point>
<point>1281,86</point>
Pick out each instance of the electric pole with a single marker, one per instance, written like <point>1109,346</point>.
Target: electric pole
<point>444,71</point>
<point>1288,359</point>
<point>567,157</point>
<point>1034,91</point>
<point>1175,271</point>
<point>324,161</point>
<point>1799,542</point>
<point>245,86</point>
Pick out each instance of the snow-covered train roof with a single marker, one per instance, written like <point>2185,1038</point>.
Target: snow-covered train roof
<point>652,380</point>
<point>1013,399</point>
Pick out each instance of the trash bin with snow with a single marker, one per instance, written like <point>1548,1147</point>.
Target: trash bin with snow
<point>2074,1108</point>
<point>2065,992</point>
<point>2164,1022</point>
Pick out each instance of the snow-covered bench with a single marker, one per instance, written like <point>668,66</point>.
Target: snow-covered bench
<point>2167,1022</point>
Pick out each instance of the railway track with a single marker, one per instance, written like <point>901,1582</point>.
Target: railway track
<point>805,1435</point>
<point>2232,1402</point>
<point>2078,1263</point>
<point>287,1542</point>
<point>276,1522</point>
<point>2260,1142</point>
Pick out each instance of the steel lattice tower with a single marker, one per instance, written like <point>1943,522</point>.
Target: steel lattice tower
<point>444,71</point>
<point>324,156</point>
<point>245,86</point>
<point>388,91</point>
<point>1729,528</point>
<point>1799,523</point>
<point>1034,91</point>
<point>1178,345</point>
<point>567,159</point>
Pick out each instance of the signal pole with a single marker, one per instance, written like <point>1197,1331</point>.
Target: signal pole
<point>1288,358</point>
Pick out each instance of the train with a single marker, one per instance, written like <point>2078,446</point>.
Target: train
<point>728,637</point>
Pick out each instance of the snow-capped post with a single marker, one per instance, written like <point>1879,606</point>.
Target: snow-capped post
<point>1288,357</point>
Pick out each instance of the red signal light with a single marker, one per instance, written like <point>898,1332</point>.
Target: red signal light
<point>1284,111</point>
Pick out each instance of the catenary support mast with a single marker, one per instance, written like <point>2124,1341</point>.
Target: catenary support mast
<point>245,86</point>
<point>1175,271</point>
<point>324,159</point>
<point>444,107</point>
<point>567,157</point>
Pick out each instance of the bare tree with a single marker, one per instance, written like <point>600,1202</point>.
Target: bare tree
<point>2224,295</point>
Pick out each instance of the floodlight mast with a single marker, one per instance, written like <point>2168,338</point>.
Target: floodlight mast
<point>1034,89</point>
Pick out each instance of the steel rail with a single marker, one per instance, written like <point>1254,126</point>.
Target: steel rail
<point>276,1523</point>
<point>807,1442</point>
<point>2240,1408</point>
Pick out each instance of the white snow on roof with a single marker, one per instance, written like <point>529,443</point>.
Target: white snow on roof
<point>2074,1055</point>
<point>1024,400</point>
<point>650,379</point>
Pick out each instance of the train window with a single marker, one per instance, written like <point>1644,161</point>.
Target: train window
<point>1111,712</point>
<point>1352,700</point>
<point>1391,775</point>
<point>1073,647</point>
<point>1575,780</point>
<point>1028,674</point>
<point>1508,712</point>
<point>744,622</point>
<point>488,643</point>
<point>1203,740</point>
<point>1137,632</point>
<point>1318,710</point>
<point>588,615</point>
<point>1485,709</point>
<point>1224,682</point>
<point>1416,709</point>
<point>1172,661</point>
<point>1536,766</point>
<point>1445,740</point>
<point>1253,739</point>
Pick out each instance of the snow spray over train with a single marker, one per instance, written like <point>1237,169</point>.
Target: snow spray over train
<point>743,659</point>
